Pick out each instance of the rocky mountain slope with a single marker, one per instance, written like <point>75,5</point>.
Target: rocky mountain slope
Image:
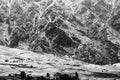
<point>87,30</point>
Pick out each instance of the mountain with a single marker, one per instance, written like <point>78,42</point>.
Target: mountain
<point>86,30</point>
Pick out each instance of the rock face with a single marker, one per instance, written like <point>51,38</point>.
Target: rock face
<point>87,30</point>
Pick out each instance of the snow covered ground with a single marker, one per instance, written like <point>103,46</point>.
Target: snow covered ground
<point>16,60</point>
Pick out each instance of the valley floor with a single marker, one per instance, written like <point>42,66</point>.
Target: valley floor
<point>16,60</point>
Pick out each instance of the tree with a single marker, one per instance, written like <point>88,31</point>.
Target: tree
<point>23,75</point>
